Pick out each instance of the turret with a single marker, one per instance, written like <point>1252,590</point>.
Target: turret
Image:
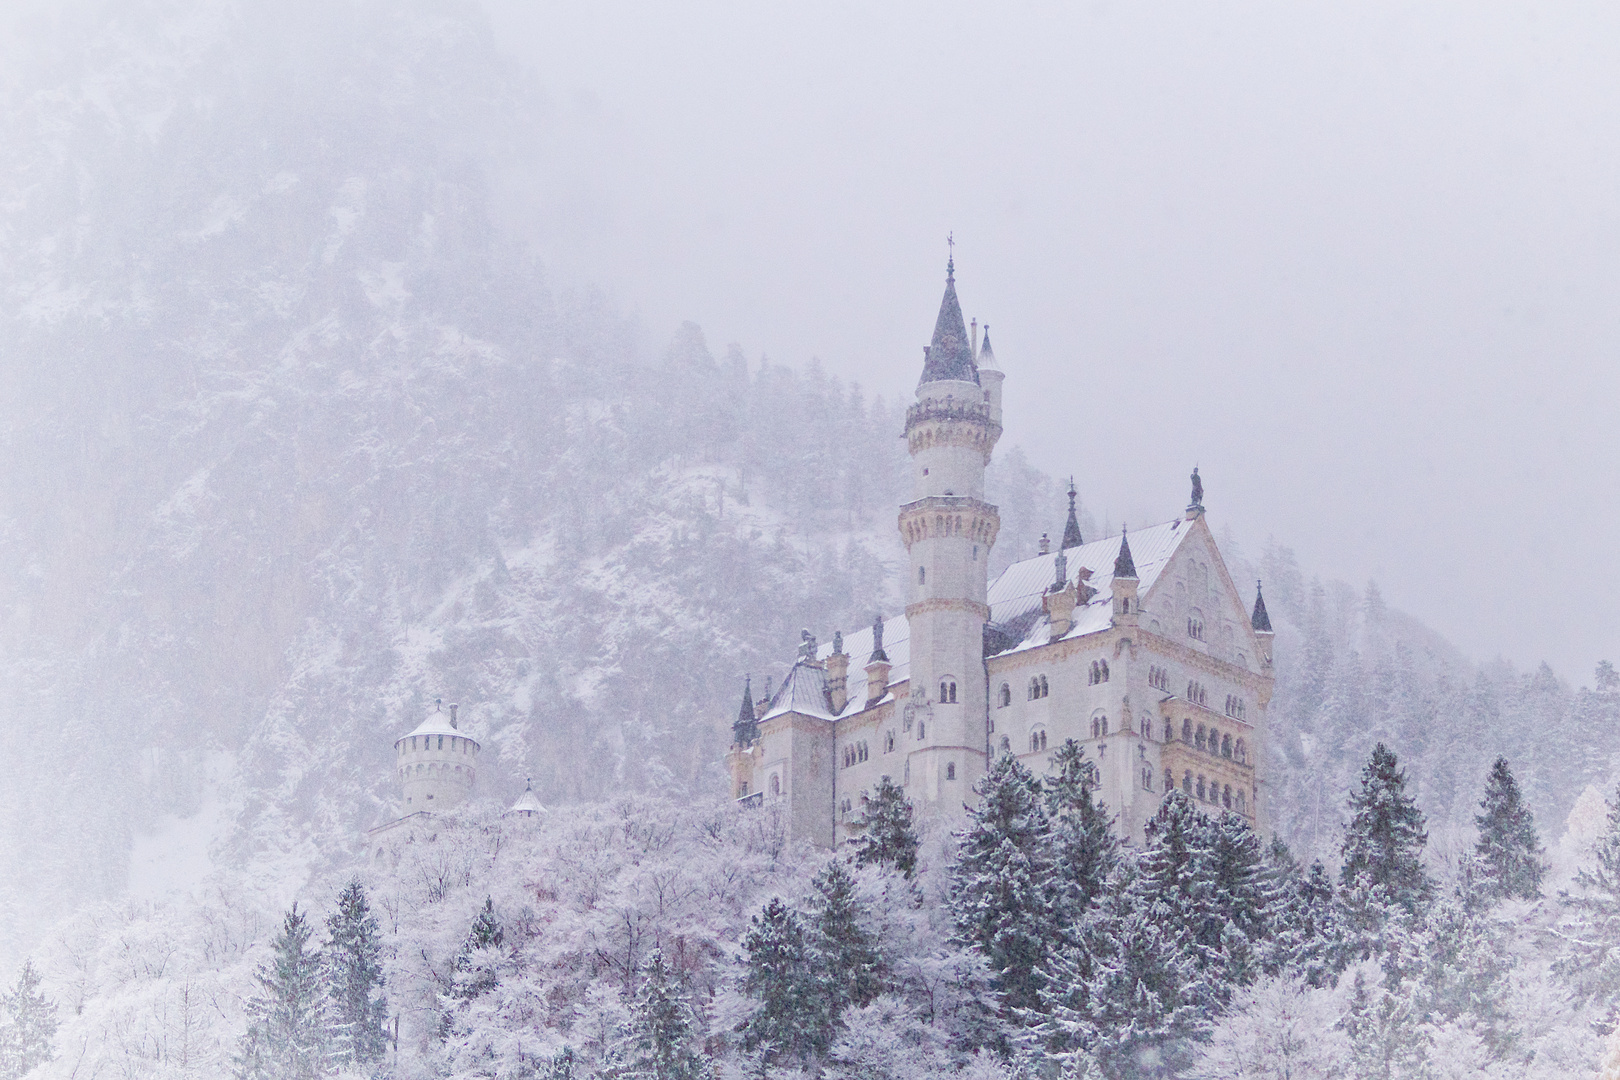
<point>437,762</point>
<point>990,377</point>
<point>1125,583</point>
<point>838,674</point>
<point>1071,528</point>
<point>527,805</point>
<point>877,666</point>
<point>1260,622</point>
<point>948,530</point>
<point>745,729</point>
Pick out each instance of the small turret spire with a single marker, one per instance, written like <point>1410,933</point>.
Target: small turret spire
<point>986,356</point>
<point>746,714</point>
<point>1124,565</point>
<point>1071,529</point>
<point>1261,619</point>
<point>878,655</point>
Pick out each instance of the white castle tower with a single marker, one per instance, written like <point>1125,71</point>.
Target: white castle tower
<point>437,763</point>
<point>948,530</point>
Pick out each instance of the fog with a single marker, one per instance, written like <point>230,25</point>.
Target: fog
<point>1357,263</point>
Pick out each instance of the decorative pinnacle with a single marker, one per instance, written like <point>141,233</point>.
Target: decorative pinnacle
<point>950,261</point>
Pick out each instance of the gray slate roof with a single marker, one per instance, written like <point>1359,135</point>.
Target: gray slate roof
<point>950,354</point>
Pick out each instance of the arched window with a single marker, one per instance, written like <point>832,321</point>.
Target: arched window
<point>1104,664</point>
<point>1034,741</point>
<point>1200,789</point>
<point>1239,752</point>
<point>1241,807</point>
<point>1044,688</point>
<point>1147,728</point>
<point>888,742</point>
<point>1043,739</point>
<point>1226,746</point>
<point>1104,722</point>
<point>947,691</point>
<point>922,576</point>
<point>950,770</point>
<point>1006,745</point>
<point>1147,778</point>
<point>1034,689</point>
<point>922,730</point>
<point>1093,727</point>
<point>1186,730</point>
<point>1226,797</point>
<point>776,785</point>
<point>1186,783</point>
<point>1169,780</point>
<point>1169,731</point>
<point>1005,697</point>
<point>1198,741</point>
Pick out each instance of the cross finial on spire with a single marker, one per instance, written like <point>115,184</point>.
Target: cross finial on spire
<point>950,261</point>
<point>1071,528</point>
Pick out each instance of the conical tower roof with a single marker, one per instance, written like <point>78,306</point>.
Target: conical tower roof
<point>1124,565</point>
<point>1261,619</point>
<point>987,357</point>
<point>950,354</point>
<point>1071,528</point>
<point>745,715</point>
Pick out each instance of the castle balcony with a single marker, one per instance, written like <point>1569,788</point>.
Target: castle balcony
<point>1214,782</point>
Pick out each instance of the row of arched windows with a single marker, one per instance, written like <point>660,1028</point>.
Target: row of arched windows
<point>1158,678</point>
<point>855,754</point>
<point>1210,791</point>
<point>1195,693</point>
<point>457,745</point>
<point>1234,706</point>
<point>1212,741</point>
<point>1038,687</point>
<point>430,769</point>
<point>1099,672</point>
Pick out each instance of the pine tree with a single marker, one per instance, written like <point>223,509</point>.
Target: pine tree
<point>1591,929</point>
<point>1245,902</point>
<point>1086,849</point>
<point>27,1025</point>
<point>846,954</point>
<point>665,1028</point>
<point>792,1021</point>
<point>1307,940</point>
<point>477,964</point>
<point>354,980</point>
<point>887,837</point>
<point>1003,880</point>
<point>1383,844</point>
<point>286,1037</point>
<point>1386,1041</point>
<point>1509,851</point>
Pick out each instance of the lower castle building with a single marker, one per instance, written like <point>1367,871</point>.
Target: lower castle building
<point>1140,648</point>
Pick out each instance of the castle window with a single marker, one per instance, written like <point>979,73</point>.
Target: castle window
<point>888,743</point>
<point>922,575</point>
<point>1005,697</point>
<point>1199,741</point>
<point>1044,689</point>
<point>1006,745</point>
<point>1195,625</point>
<point>776,785</point>
<point>743,792</point>
<point>1226,797</point>
<point>1240,753</point>
<point>1034,689</point>
<point>1169,781</point>
<point>905,721</point>
<point>1241,804</point>
<point>1169,731</point>
<point>1186,730</point>
<point>1147,778</point>
<point>1200,789</point>
<point>1186,783</point>
<point>1147,728</point>
<point>922,730</point>
<point>950,770</point>
<point>1226,746</point>
<point>1091,679</point>
<point>947,692</point>
<point>1104,664</point>
<point>865,754</point>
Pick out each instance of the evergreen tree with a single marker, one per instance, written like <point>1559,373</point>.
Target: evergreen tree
<point>1245,904</point>
<point>477,969</point>
<point>286,1037</point>
<point>354,980</point>
<point>792,1021</point>
<point>1307,939</point>
<point>1591,930</point>
<point>1002,883</point>
<point>665,1028</point>
<point>1086,849</point>
<point>1508,851</point>
<point>887,838</point>
<point>1383,843</point>
<point>845,953</point>
<point>1386,1040</point>
<point>27,1025</point>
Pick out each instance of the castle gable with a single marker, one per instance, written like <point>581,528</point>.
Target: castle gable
<point>804,691</point>
<point>1018,621</point>
<point>1195,585</point>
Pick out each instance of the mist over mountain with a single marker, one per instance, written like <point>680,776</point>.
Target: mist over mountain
<point>295,442</point>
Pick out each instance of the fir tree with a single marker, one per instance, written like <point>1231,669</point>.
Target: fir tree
<point>665,1028</point>
<point>1591,929</point>
<point>1386,1040</point>
<point>887,837</point>
<point>1508,851</point>
<point>1086,849</point>
<point>792,1021</point>
<point>1307,939</point>
<point>1383,843</point>
<point>286,1037</point>
<point>27,1025</point>
<point>477,964</point>
<point>1003,881</point>
<point>1245,904</point>
<point>354,980</point>
<point>845,953</point>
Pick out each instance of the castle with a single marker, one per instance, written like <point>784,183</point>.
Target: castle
<point>1138,647</point>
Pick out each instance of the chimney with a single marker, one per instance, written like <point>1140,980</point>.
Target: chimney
<point>877,680</point>
<point>838,674</point>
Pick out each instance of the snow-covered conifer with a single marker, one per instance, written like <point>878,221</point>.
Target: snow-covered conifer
<point>846,953</point>
<point>1383,843</point>
<point>888,837</point>
<point>792,1021</point>
<point>666,1029</point>
<point>1590,931</point>
<point>1245,901</point>
<point>287,1032</point>
<point>27,1025</point>
<point>354,979</point>
<point>1086,850</point>
<point>1002,882</point>
<point>1509,850</point>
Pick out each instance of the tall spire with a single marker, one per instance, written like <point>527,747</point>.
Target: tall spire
<point>1124,565</point>
<point>1071,529</point>
<point>949,355</point>
<point>986,359</point>
<point>1261,619</point>
<point>745,715</point>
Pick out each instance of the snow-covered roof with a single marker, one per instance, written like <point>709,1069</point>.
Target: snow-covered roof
<point>1018,621</point>
<point>527,804</point>
<point>439,723</point>
<point>804,691</point>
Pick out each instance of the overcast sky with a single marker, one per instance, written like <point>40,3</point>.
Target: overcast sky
<point>1359,262</point>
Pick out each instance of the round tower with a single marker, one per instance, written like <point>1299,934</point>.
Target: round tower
<point>948,530</point>
<point>437,762</point>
